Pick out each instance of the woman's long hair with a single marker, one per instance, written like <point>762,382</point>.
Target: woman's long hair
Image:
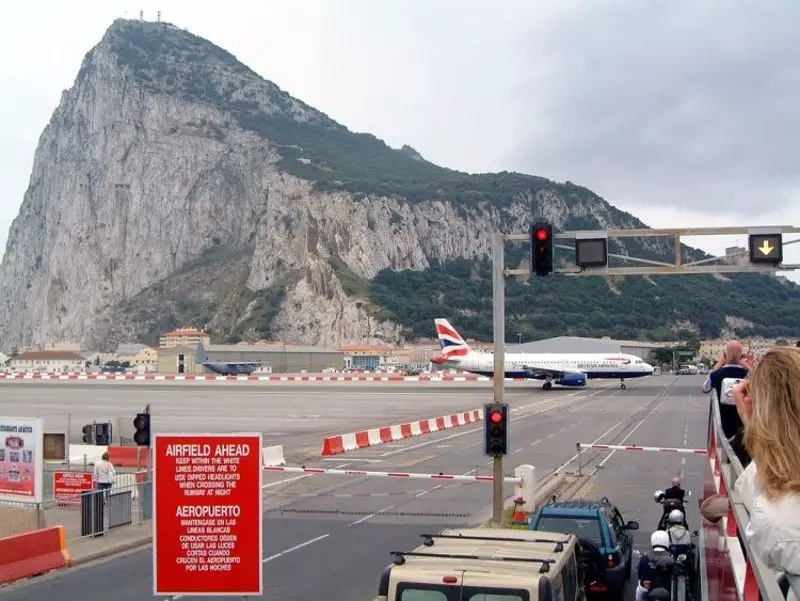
<point>772,434</point>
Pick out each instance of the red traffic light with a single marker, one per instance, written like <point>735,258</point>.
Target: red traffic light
<point>541,234</point>
<point>496,417</point>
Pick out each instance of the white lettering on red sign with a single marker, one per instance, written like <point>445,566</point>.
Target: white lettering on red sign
<point>208,515</point>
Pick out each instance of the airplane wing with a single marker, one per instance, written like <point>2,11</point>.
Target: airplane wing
<point>549,371</point>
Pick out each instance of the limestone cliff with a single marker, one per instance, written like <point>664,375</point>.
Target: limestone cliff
<point>174,185</point>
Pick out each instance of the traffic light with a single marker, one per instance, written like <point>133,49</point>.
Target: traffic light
<point>102,434</point>
<point>142,424</point>
<point>88,434</point>
<point>495,428</point>
<point>541,248</point>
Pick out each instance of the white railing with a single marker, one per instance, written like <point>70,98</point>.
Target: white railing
<point>754,580</point>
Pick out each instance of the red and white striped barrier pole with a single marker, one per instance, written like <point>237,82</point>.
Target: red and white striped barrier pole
<point>611,447</point>
<point>406,475</point>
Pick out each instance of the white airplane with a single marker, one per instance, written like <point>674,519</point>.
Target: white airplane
<point>565,369</point>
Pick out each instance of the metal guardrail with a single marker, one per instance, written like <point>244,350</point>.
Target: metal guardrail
<point>770,582</point>
<point>82,515</point>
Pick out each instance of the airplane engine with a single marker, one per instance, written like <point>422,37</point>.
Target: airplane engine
<point>572,380</point>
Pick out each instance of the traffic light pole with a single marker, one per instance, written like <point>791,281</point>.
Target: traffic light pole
<point>499,304</point>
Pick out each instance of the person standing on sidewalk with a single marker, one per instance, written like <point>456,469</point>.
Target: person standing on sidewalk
<point>104,474</point>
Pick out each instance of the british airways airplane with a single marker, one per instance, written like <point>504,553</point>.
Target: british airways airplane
<point>565,369</point>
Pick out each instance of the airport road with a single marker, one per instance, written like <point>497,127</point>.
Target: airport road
<point>629,478</point>
<point>354,535</point>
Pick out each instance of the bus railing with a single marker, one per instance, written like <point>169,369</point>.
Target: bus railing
<point>754,580</point>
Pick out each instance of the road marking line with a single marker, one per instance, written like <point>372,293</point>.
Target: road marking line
<point>295,548</point>
<point>631,432</point>
<point>286,481</point>
<point>417,461</point>
<point>370,516</point>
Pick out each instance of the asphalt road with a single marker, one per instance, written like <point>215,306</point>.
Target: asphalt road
<point>353,535</point>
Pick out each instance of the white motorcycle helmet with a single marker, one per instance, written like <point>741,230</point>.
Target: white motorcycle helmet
<point>658,496</point>
<point>675,517</point>
<point>659,538</point>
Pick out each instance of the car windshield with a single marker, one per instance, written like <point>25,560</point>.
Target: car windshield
<point>585,528</point>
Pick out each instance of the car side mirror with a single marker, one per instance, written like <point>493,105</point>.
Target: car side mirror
<point>632,525</point>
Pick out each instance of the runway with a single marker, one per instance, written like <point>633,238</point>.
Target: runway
<point>296,415</point>
<point>334,544</point>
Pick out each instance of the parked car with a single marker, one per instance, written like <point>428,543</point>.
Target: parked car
<point>605,538</point>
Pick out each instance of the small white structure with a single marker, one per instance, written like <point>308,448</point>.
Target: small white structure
<point>48,362</point>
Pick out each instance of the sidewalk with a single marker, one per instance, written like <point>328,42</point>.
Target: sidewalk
<point>123,538</point>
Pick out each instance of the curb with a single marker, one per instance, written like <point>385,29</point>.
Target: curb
<point>142,541</point>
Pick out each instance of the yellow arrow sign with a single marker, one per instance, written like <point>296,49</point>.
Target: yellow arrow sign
<point>766,248</point>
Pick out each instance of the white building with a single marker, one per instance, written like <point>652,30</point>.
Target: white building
<point>576,344</point>
<point>48,362</point>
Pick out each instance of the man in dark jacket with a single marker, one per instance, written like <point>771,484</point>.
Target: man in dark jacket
<point>675,491</point>
<point>729,366</point>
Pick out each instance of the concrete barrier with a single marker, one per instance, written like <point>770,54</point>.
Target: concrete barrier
<point>128,456</point>
<point>335,445</point>
<point>272,456</point>
<point>33,553</point>
<point>92,452</point>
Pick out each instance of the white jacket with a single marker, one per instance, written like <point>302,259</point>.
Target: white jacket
<point>104,472</point>
<point>774,529</point>
<point>678,535</point>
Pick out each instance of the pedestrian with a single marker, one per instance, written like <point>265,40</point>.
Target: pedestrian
<point>104,474</point>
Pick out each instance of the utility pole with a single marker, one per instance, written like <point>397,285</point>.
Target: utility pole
<point>499,304</point>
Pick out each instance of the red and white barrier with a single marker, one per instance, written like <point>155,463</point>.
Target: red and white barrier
<point>611,447</point>
<point>10,377</point>
<point>404,475</point>
<point>335,445</point>
<point>33,553</point>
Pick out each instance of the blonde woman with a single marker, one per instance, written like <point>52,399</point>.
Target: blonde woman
<point>769,405</point>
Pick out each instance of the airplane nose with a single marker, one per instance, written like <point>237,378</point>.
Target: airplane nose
<point>438,359</point>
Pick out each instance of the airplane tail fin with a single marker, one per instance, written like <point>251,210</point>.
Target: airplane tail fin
<point>451,342</point>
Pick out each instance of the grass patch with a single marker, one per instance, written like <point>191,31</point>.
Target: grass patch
<point>508,521</point>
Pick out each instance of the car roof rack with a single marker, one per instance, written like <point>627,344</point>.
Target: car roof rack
<point>428,542</point>
<point>399,558</point>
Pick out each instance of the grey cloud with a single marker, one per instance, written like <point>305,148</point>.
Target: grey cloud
<point>686,102</point>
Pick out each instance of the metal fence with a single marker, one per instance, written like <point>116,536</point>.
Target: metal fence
<point>91,513</point>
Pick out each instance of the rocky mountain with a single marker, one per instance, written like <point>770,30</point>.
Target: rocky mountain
<point>175,186</point>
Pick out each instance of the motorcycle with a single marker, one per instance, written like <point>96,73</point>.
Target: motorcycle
<point>669,505</point>
<point>673,577</point>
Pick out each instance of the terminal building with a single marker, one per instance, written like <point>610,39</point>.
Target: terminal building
<point>576,344</point>
<point>276,359</point>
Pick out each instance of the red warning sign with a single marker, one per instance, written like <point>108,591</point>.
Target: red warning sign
<point>69,486</point>
<point>207,537</point>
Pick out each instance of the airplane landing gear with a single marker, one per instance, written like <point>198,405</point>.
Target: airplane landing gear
<point>622,385</point>
<point>547,385</point>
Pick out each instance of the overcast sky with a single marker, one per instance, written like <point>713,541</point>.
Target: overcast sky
<point>682,112</point>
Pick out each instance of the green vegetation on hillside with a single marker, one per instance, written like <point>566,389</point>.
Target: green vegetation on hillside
<point>461,291</point>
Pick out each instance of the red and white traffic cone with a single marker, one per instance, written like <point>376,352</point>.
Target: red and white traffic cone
<point>519,502</point>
